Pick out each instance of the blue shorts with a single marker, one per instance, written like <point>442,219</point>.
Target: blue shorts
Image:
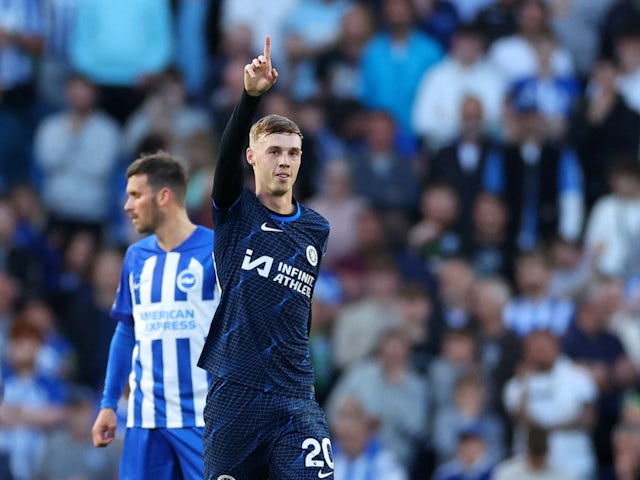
<point>250,434</point>
<point>162,454</point>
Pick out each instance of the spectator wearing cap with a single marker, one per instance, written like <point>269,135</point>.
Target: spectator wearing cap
<point>554,94</point>
<point>471,461</point>
<point>541,179</point>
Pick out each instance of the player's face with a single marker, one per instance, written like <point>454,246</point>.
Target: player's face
<point>141,205</point>
<point>276,161</point>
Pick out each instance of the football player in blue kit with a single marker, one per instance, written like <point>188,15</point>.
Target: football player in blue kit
<point>164,306</point>
<point>261,417</point>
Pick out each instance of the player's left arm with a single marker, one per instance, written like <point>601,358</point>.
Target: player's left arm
<point>228,181</point>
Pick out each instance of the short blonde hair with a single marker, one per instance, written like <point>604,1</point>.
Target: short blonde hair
<point>271,124</point>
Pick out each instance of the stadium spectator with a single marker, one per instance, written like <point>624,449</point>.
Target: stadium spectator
<point>434,237</point>
<point>533,463</point>
<point>54,65</point>
<point>458,356</point>
<point>418,320</point>
<point>488,245</point>
<point>514,55</point>
<point>438,114</point>
<point>328,299</point>
<point>626,440</point>
<point>469,408</point>
<point>17,260</point>
<point>76,153</point>
<point>32,404</point>
<point>498,19</point>
<point>312,29</point>
<point>165,111</point>
<point>21,40</point>
<point>618,17</point>
<point>68,452</point>
<point>589,343</point>
<point>542,181</point>
<point>390,388</point>
<point>337,202</point>
<point>471,460</point>
<point>628,57</point>
<point>56,356</point>
<point>553,392</point>
<point>455,280</point>
<point>535,307</point>
<point>360,323</point>
<point>499,350</point>
<point>193,43</point>
<point>437,18</point>
<point>200,150</point>
<point>603,128</point>
<point>9,294</point>
<point>613,225</point>
<point>469,162</point>
<point>273,17</point>
<point>122,49</point>
<point>87,322</point>
<point>387,178</point>
<point>572,268</point>
<point>553,94</point>
<point>578,24</point>
<point>394,61</point>
<point>358,454</point>
<point>468,9</point>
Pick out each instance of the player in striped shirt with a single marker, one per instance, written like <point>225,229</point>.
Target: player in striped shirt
<point>261,418</point>
<point>164,306</point>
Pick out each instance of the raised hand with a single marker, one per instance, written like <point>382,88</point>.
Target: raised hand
<point>259,75</point>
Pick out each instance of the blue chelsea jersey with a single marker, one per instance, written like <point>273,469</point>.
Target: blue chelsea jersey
<point>170,297</point>
<point>267,266</point>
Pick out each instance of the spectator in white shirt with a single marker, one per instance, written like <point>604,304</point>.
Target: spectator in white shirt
<point>553,392</point>
<point>514,55</point>
<point>613,226</point>
<point>437,106</point>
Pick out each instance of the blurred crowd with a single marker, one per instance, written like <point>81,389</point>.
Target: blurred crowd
<point>478,314</point>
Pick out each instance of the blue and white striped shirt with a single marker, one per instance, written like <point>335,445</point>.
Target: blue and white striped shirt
<point>523,315</point>
<point>170,297</point>
<point>24,17</point>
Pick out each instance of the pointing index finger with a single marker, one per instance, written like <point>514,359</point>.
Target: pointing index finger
<point>267,47</point>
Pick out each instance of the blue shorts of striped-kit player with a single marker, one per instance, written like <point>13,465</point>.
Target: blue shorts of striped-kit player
<point>162,454</point>
<point>251,434</point>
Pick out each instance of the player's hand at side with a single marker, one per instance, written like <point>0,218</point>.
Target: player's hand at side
<point>104,428</point>
<point>259,74</point>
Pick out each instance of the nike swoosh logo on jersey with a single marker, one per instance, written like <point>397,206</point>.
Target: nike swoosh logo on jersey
<point>266,228</point>
<point>322,474</point>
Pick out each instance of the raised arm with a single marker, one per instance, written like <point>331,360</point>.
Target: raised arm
<point>259,76</point>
